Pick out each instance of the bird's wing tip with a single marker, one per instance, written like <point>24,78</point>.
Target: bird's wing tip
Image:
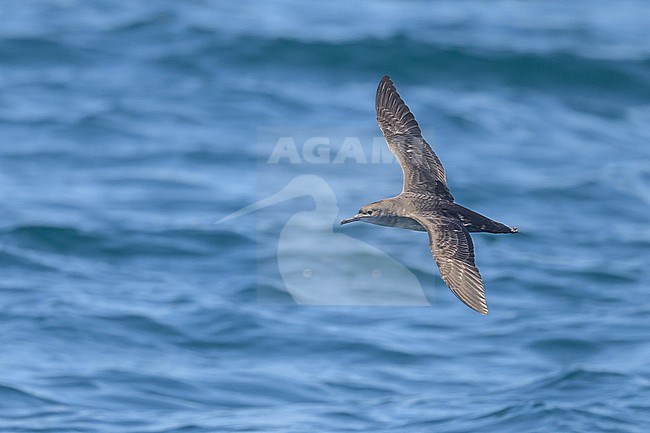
<point>480,308</point>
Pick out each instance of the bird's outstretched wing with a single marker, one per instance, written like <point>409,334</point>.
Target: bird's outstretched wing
<point>421,168</point>
<point>453,251</point>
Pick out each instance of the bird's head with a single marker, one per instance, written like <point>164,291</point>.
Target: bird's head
<point>368,211</point>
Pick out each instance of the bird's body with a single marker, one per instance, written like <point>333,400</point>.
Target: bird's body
<point>425,203</point>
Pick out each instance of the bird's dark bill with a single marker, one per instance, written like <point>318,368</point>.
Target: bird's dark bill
<point>350,220</point>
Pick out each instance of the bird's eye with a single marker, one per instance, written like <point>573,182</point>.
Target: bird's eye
<point>369,212</point>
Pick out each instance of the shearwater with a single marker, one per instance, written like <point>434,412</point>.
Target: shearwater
<point>425,203</point>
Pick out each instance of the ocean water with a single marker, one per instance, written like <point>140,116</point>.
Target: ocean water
<point>127,129</point>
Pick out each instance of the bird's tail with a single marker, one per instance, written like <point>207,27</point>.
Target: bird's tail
<point>475,222</point>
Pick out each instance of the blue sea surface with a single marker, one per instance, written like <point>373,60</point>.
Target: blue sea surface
<point>127,129</point>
